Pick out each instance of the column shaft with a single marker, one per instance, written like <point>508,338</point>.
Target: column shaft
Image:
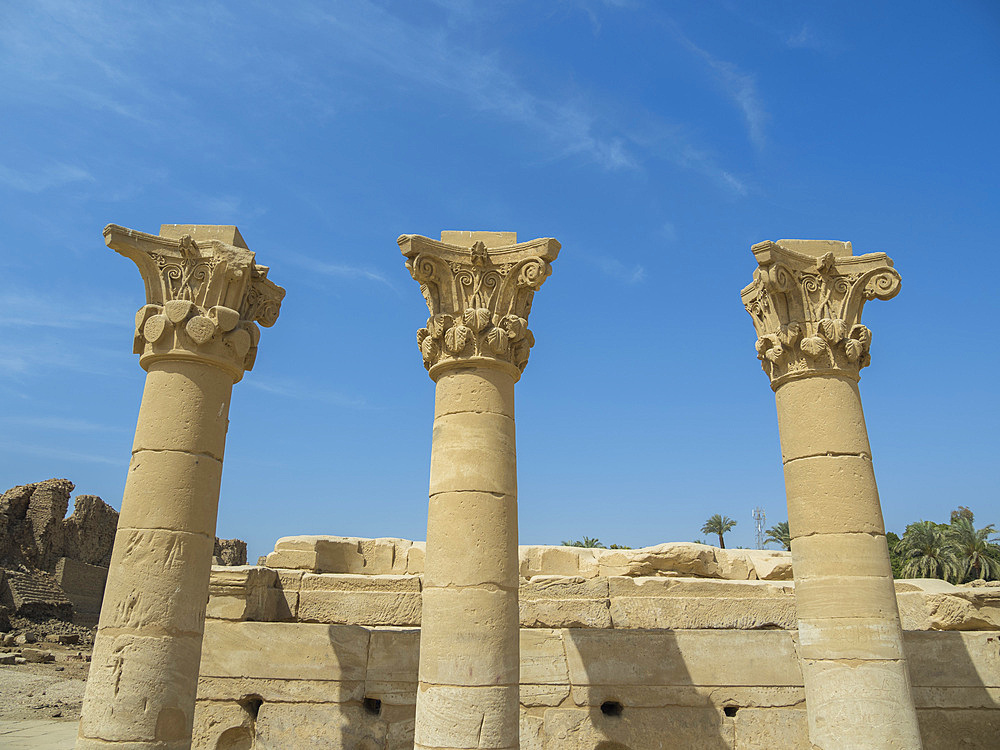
<point>850,642</point>
<point>196,336</point>
<point>144,674</point>
<point>469,652</point>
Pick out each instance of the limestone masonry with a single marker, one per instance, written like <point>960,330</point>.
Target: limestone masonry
<point>674,646</point>
<point>471,641</point>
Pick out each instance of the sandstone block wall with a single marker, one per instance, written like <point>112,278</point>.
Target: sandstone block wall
<point>325,654</point>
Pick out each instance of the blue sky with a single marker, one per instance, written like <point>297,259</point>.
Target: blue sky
<point>656,141</point>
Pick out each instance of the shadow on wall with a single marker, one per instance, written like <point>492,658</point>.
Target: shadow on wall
<point>637,693</point>
<point>956,685</point>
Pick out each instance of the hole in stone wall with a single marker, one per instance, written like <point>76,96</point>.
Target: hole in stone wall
<point>611,708</point>
<point>372,706</point>
<point>251,704</point>
<point>730,711</point>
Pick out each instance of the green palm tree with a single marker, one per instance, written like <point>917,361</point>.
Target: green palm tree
<point>926,553</point>
<point>718,525</point>
<point>779,534</point>
<point>976,549</point>
<point>587,542</point>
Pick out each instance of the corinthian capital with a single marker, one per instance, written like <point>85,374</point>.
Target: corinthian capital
<point>205,295</point>
<point>478,287</point>
<point>806,301</point>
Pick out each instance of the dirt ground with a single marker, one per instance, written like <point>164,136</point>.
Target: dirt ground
<point>44,691</point>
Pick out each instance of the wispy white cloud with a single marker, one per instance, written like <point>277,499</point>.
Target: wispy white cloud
<point>628,274</point>
<point>336,270</point>
<point>44,310</point>
<point>301,391</point>
<point>740,86</point>
<point>61,424</point>
<point>41,178</point>
<point>806,38</point>
<point>61,455</point>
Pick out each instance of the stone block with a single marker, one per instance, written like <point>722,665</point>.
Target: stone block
<point>484,655</point>
<point>159,577</point>
<point>467,717</point>
<point>181,410</point>
<point>473,452</point>
<point>220,689</point>
<point>771,728</point>
<point>300,651</point>
<point>172,490</point>
<point>948,659</point>
<point>543,657</point>
<point>243,592</point>
<point>486,524</point>
<point>360,607</point>
<point>686,657</point>
<point>319,726</point>
<point>674,727</point>
<point>150,710</point>
<point>813,485</point>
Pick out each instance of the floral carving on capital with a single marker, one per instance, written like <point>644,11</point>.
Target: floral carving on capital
<point>807,309</point>
<point>204,299</point>
<point>479,298</point>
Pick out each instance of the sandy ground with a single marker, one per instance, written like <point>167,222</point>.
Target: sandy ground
<point>44,691</point>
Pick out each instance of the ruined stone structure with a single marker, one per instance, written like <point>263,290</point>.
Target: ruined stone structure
<point>806,301</point>
<point>478,287</point>
<point>674,646</point>
<point>196,335</point>
<point>468,641</point>
<point>55,566</point>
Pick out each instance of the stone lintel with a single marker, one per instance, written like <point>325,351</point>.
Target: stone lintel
<point>818,248</point>
<point>227,233</point>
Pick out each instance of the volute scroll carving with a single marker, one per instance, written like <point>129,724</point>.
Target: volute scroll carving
<point>204,299</point>
<point>806,301</point>
<point>479,298</point>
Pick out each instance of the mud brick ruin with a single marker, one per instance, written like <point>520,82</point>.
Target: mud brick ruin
<point>470,641</point>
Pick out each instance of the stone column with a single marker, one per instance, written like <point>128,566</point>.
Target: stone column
<point>196,336</point>
<point>806,301</point>
<point>478,287</point>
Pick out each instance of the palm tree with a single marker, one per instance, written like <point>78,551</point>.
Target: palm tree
<point>779,534</point>
<point>587,542</point>
<point>925,552</point>
<point>718,525</point>
<point>978,554</point>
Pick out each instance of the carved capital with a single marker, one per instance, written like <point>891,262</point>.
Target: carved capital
<point>204,298</point>
<point>479,296</point>
<point>806,301</point>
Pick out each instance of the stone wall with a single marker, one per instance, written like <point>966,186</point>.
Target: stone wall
<point>671,646</point>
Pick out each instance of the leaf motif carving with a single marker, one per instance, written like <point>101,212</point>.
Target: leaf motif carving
<point>429,349</point>
<point>790,334</point>
<point>853,349</point>
<point>477,318</point>
<point>456,338</point>
<point>498,340</point>
<point>832,329</point>
<point>422,333</point>
<point>814,346</point>
<point>437,323</point>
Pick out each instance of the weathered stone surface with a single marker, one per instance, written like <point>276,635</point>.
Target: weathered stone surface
<point>244,592</point>
<point>230,551</point>
<point>306,651</point>
<point>771,728</point>
<point>336,554</point>
<point>930,604</point>
<point>35,595</point>
<point>579,729</point>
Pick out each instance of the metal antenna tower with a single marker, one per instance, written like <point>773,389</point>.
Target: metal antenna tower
<point>758,519</point>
